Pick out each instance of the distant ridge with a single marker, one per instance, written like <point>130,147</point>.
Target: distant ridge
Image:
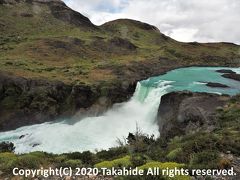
<point>59,9</point>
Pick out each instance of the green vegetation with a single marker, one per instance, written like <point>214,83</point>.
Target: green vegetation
<point>33,160</point>
<point>166,165</point>
<point>170,165</point>
<point>118,163</point>
<point>36,44</point>
<point>201,150</point>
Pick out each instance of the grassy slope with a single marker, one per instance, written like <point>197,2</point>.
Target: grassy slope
<point>43,46</point>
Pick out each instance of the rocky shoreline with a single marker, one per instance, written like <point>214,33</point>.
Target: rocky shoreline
<point>229,74</point>
<point>232,76</point>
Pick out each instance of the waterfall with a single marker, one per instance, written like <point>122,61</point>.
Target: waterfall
<point>102,132</point>
<point>93,133</point>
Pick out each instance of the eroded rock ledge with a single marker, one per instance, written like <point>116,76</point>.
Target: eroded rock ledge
<point>186,112</point>
<point>38,100</point>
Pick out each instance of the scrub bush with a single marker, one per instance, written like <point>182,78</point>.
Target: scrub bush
<point>117,163</point>
<point>173,155</point>
<point>7,161</point>
<point>204,160</point>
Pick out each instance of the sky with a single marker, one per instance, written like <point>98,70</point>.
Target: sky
<point>183,20</point>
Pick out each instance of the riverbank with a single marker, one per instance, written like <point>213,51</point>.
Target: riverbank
<point>87,133</point>
<point>33,101</point>
<point>205,148</point>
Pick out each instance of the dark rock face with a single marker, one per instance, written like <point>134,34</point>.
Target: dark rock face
<point>186,112</point>
<point>64,13</point>
<point>34,101</point>
<point>115,45</point>
<point>216,85</point>
<point>37,101</point>
<point>233,76</point>
<point>6,147</point>
<point>122,43</point>
<point>226,71</point>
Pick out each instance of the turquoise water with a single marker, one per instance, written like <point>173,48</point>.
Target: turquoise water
<point>101,132</point>
<point>193,78</point>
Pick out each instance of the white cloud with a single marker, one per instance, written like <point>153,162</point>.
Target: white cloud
<point>183,20</point>
<point>182,34</point>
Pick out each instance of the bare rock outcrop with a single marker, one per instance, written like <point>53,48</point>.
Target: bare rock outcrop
<point>40,100</point>
<point>186,112</point>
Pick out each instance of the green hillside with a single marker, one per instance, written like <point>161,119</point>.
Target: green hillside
<point>49,40</point>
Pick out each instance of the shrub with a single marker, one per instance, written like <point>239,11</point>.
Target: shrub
<point>138,160</point>
<point>191,144</point>
<point>30,161</point>
<point>117,163</point>
<point>71,163</point>
<point>172,155</point>
<point>204,160</point>
<point>7,161</point>
<point>86,157</point>
<point>165,165</point>
<point>74,155</point>
<point>59,160</point>
<point>169,166</point>
<point>199,142</point>
<point>112,153</point>
<point>41,155</point>
<point>139,142</point>
<point>157,154</point>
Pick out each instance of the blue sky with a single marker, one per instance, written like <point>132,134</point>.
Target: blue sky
<point>183,20</point>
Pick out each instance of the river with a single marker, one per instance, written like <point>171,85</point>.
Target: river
<point>97,133</point>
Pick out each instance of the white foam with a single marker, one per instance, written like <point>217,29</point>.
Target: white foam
<point>196,82</point>
<point>93,132</point>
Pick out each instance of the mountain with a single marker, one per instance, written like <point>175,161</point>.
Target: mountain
<point>54,61</point>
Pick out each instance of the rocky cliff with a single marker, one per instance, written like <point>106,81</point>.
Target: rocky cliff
<point>182,113</point>
<point>31,101</point>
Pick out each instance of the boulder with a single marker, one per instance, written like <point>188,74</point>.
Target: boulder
<point>6,147</point>
<point>185,112</point>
